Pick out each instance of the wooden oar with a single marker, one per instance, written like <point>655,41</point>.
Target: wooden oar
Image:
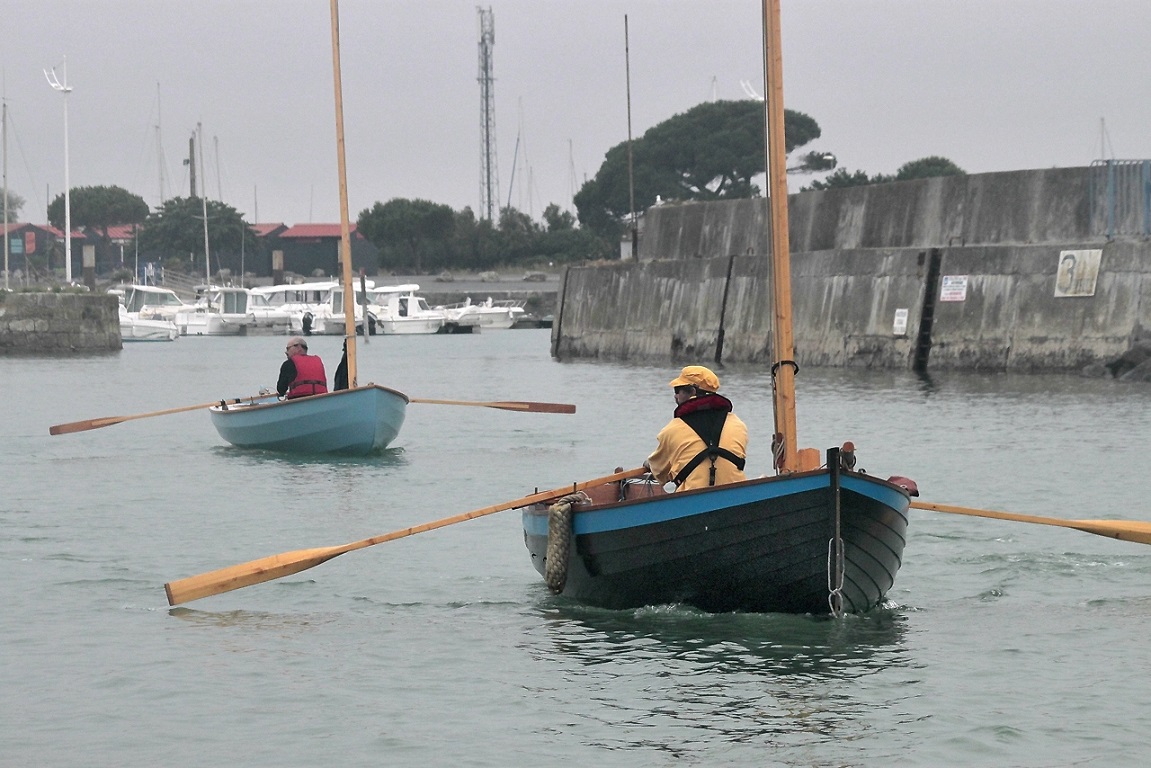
<point>287,563</point>
<point>1126,530</point>
<point>107,421</point>
<point>507,405</point>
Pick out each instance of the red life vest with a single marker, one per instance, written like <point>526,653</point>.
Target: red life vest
<point>310,377</point>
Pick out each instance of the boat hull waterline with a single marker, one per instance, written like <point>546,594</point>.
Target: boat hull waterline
<point>756,546</point>
<point>349,421</point>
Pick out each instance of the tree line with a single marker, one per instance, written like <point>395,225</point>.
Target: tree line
<point>713,151</point>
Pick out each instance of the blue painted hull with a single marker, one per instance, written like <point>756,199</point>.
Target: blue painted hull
<point>759,545</point>
<point>350,421</point>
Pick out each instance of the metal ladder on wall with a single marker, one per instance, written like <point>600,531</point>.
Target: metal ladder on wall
<point>927,315</point>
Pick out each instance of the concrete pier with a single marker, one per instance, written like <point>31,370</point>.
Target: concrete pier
<point>1025,271</point>
<point>58,323</point>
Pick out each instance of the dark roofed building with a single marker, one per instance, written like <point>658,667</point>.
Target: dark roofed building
<point>29,246</point>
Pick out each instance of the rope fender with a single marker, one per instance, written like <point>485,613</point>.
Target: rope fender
<point>559,541</point>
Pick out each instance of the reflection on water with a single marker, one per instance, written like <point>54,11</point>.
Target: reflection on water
<point>926,384</point>
<point>254,457</point>
<point>252,620</point>
<point>675,679</point>
<point>769,643</point>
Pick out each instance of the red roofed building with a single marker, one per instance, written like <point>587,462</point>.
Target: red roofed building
<point>312,248</point>
<point>268,230</point>
<point>307,249</point>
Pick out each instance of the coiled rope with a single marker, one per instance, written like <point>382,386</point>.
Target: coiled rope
<point>559,541</point>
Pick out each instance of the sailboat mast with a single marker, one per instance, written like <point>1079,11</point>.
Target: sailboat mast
<point>4,134</point>
<point>159,144</point>
<point>204,212</point>
<point>345,226</point>
<point>783,345</point>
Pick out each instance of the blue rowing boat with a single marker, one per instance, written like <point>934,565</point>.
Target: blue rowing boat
<point>818,542</point>
<point>353,421</point>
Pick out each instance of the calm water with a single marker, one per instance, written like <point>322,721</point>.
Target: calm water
<point>1006,644</point>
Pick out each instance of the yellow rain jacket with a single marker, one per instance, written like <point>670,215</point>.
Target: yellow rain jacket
<point>679,444</point>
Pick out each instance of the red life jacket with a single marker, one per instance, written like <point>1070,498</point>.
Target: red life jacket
<point>310,377</point>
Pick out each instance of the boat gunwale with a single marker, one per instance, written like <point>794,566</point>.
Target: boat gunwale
<point>844,474</point>
<point>249,407</point>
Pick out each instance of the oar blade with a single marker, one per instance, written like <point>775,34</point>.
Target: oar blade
<point>1125,530</point>
<point>536,407</point>
<point>525,406</point>
<point>247,574</point>
<point>78,426</point>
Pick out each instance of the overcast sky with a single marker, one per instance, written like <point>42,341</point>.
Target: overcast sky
<point>994,85</point>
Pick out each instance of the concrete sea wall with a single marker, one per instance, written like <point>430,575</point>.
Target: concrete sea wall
<point>954,272</point>
<point>58,323</point>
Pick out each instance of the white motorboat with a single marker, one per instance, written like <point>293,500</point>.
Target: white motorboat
<point>134,328</point>
<point>398,310</point>
<point>308,305</point>
<point>334,311</point>
<point>150,302</point>
<point>312,308</point>
<point>487,315</point>
<point>267,318</point>
<point>220,311</point>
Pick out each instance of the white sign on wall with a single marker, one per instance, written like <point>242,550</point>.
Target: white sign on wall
<point>900,326</point>
<point>1077,273</point>
<point>954,288</point>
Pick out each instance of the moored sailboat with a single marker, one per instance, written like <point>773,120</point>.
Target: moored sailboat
<point>815,538</point>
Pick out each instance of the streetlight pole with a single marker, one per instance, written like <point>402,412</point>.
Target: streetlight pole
<point>65,89</point>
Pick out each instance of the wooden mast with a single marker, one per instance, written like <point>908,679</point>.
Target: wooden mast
<point>783,347</point>
<point>345,226</point>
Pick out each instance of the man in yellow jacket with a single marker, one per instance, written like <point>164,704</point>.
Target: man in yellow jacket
<point>705,444</point>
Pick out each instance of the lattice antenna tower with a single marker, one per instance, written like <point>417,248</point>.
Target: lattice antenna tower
<point>489,170</point>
